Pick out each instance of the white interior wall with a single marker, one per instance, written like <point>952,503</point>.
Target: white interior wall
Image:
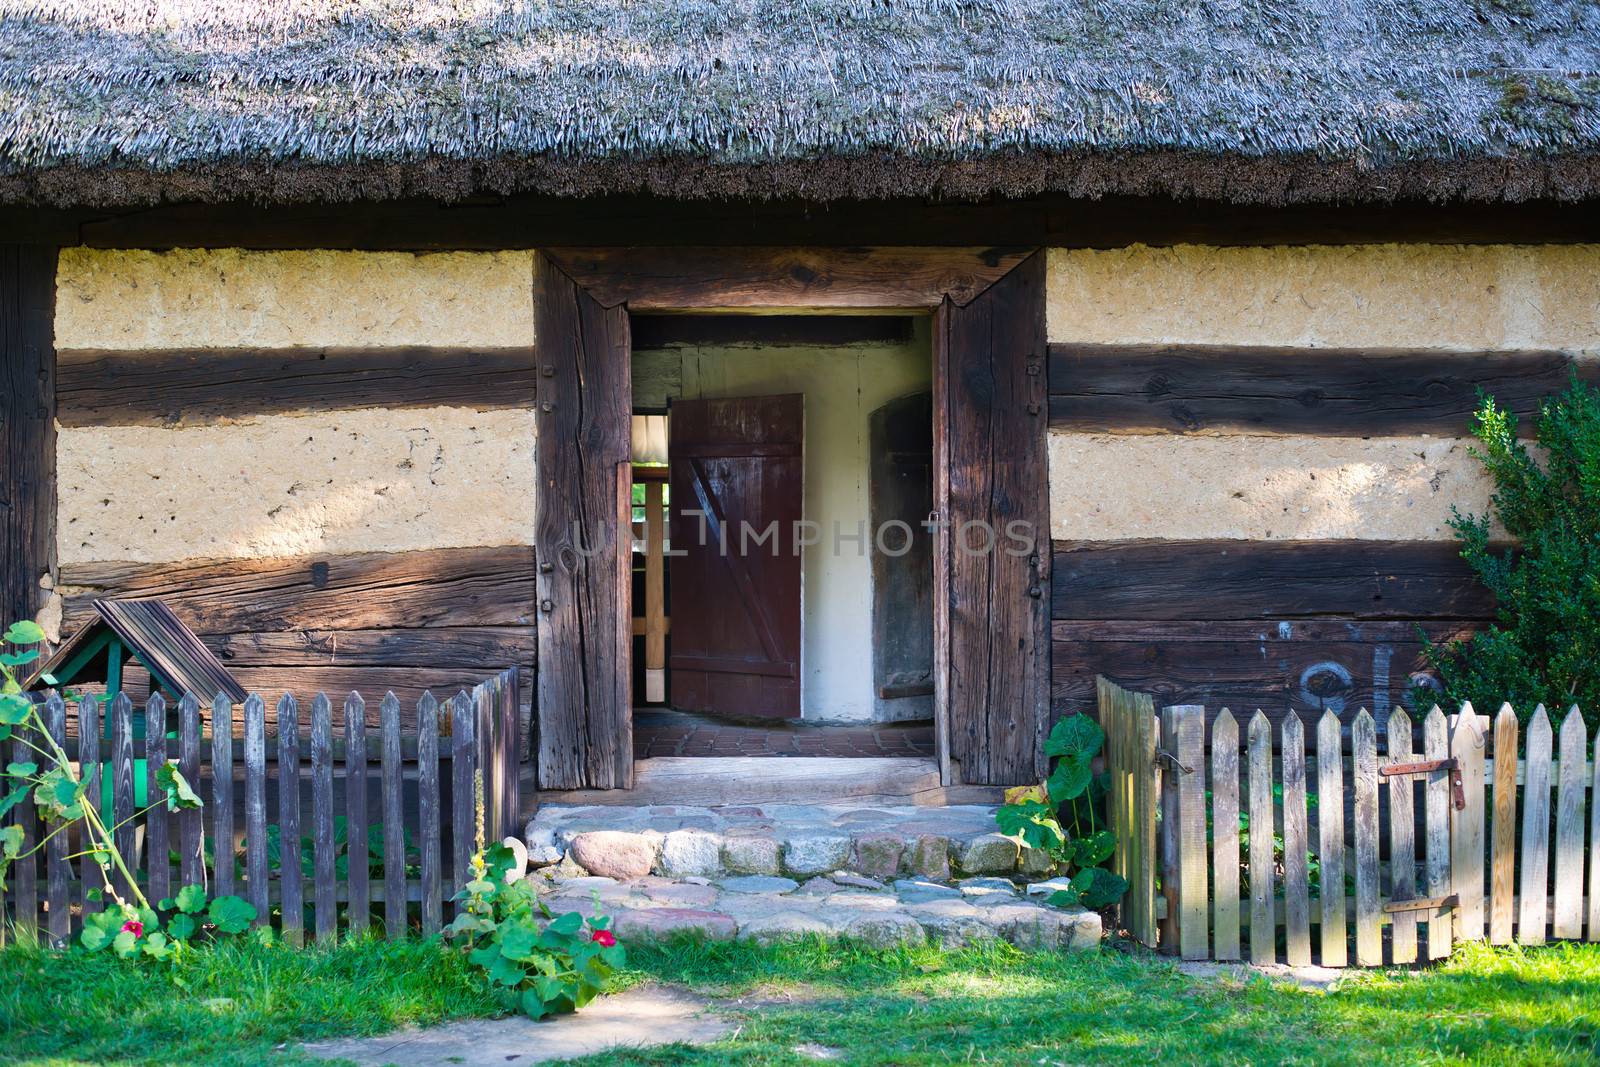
<point>842,385</point>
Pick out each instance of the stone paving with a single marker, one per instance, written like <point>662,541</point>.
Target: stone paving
<point>883,875</point>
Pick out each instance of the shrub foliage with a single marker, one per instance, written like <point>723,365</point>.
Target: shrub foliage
<point>1544,645</point>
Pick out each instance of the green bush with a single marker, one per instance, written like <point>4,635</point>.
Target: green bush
<point>1544,645</point>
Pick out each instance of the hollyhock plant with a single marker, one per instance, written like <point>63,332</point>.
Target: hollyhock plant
<point>604,938</point>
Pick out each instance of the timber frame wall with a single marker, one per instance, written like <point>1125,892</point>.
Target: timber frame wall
<point>1127,609</point>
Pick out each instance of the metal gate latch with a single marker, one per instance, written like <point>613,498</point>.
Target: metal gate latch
<point>1428,766</point>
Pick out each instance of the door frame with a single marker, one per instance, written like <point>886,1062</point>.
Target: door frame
<point>752,280</point>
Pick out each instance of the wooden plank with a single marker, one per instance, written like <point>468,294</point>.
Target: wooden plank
<point>463,795</point>
<point>1437,800</point>
<point>516,747</point>
<point>996,495</point>
<point>188,387</point>
<point>359,913</point>
<point>1594,845</point>
<point>158,832</point>
<point>1170,864</point>
<point>27,426</point>
<point>1316,664</point>
<point>322,818</point>
<point>482,649</point>
<point>1329,392</point>
<point>1402,838</point>
<point>1467,874</point>
<point>222,796</point>
<point>807,331</point>
<point>418,590</point>
<point>394,840</point>
<point>1535,843</point>
<point>191,821</point>
<point>1263,939</point>
<point>1364,782</point>
<point>23,871</point>
<point>124,833</point>
<point>58,869</point>
<point>942,398</point>
<point>1267,580</point>
<point>255,808</point>
<point>583,448</point>
<point>1225,836</point>
<point>1504,840</point>
<point>1296,842</point>
<point>89,770</point>
<point>869,279</point>
<point>488,761</point>
<point>290,875</point>
<point>1330,841</point>
<point>1567,922</point>
<point>655,598</point>
<point>428,813</point>
<point>1194,925</point>
<point>531,220</point>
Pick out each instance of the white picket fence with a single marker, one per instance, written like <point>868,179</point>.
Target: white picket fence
<point>1449,834</point>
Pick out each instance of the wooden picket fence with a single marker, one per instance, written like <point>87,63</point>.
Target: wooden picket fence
<point>1448,835</point>
<point>407,802</point>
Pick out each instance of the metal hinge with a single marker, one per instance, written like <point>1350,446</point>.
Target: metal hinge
<point>1428,766</point>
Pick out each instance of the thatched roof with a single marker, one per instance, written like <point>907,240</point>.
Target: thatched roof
<point>108,101</point>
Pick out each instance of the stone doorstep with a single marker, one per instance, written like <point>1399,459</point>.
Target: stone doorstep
<point>769,908</point>
<point>794,840</point>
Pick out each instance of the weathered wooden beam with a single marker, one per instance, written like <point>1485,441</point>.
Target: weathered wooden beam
<point>1337,664</point>
<point>667,278</point>
<point>1265,580</point>
<point>1333,392</point>
<point>662,331</point>
<point>531,221</point>
<point>27,428</point>
<point>366,590</point>
<point>151,388</point>
<point>434,646</point>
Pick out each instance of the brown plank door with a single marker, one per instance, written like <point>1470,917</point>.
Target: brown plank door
<point>992,556</point>
<point>583,451</point>
<point>736,483</point>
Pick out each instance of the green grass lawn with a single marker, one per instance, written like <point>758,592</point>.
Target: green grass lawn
<point>911,1006</point>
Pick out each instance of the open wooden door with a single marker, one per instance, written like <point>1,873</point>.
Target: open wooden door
<point>992,555</point>
<point>736,499</point>
<point>585,716</point>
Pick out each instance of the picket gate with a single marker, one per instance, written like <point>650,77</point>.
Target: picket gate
<point>1379,850</point>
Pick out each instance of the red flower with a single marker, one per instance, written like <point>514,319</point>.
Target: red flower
<point>134,927</point>
<point>604,938</point>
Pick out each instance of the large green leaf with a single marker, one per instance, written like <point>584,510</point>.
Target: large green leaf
<point>14,708</point>
<point>1068,781</point>
<point>26,632</point>
<point>180,795</point>
<point>191,899</point>
<point>58,796</point>
<point>504,972</point>
<point>1033,821</point>
<point>17,659</point>
<point>1098,888</point>
<point>10,841</point>
<point>1091,850</point>
<point>182,927</point>
<point>567,924</point>
<point>517,940</point>
<point>13,798</point>
<point>231,915</point>
<point>1076,736</point>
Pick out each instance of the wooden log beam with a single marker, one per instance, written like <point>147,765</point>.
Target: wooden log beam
<point>755,279</point>
<point>1331,392</point>
<point>366,590</point>
<point>27,428</point>
<point>166,387</point>
<point>1264,580</point>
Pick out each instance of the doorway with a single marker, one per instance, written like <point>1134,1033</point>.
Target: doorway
<point>990,608</point>
<point>786,443</point>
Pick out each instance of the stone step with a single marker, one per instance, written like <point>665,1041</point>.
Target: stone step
<point>770,908</point>
<point>795,840</point>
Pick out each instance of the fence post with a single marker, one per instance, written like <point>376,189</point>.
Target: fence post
<point>1535,910</point>
<point>1194,924</point>
<point>1330,840</point>
<point>1167,784</point>
<point>1466,829</point>
<point>1263,918</point>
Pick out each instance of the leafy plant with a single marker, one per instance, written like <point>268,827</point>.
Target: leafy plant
<point>1034,814</point>
<point>61,795</point>
<point>545,963</point>
<point>1544,645</point>
<point>132,931</point>
<point>341,851</point>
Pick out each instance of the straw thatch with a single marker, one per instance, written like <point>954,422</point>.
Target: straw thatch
<point>114,102</point>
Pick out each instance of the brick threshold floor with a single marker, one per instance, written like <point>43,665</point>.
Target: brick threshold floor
<point>663,732</point>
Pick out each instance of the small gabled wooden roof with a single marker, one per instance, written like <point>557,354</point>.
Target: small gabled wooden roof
<point>160,641</point>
